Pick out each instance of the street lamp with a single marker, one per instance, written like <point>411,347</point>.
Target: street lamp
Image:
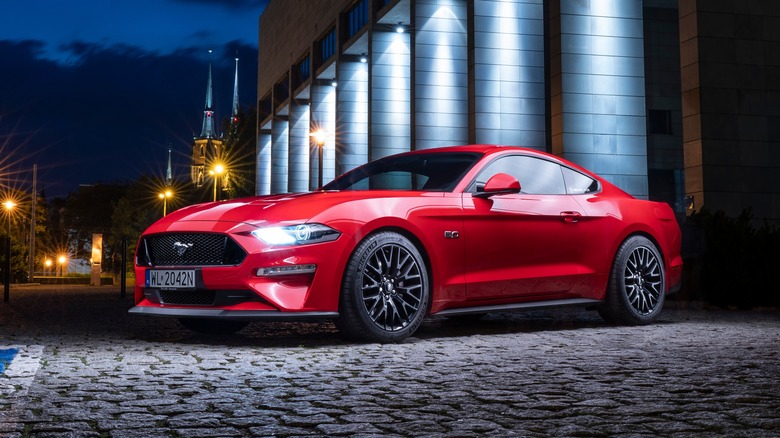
<point>47,266</point>
<point>218,170</point>
<point>319,138</point>
<point>9,206</point>
<point>61,261</point>
<point>164,196</point>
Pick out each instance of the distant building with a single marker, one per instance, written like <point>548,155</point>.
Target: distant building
<point>672,101</point>
<point>206,147</point>
<point>209,148</point>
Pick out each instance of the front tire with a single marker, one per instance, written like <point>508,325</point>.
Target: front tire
<point>637,284</point>
<point>385,291</point>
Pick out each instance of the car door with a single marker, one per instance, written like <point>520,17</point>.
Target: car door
<point>523,244</point>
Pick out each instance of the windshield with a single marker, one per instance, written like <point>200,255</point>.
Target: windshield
<point>434,172</point>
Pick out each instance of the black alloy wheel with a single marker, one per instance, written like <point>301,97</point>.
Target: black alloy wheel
<point>637,284</point>
<point>385,291</point>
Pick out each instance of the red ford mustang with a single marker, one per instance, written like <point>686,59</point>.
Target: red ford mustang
<point>449,231</point>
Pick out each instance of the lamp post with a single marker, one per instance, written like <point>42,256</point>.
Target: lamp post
<point>319,138</point>
<point>61,260</point>
<point>164,196</point>
<point>218,169</point>
<point>9,206</point>
<point>47,266</point>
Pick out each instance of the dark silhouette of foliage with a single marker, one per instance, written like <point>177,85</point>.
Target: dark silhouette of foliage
<point>730,262</point>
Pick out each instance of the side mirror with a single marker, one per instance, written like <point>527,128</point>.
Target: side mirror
<point>499,184</point>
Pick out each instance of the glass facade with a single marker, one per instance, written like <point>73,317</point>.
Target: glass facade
<point>564,76</point>
<point>509,73</point>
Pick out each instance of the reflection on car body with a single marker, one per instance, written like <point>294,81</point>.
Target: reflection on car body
<point>448,231</point>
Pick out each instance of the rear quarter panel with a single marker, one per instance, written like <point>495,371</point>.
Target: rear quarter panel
<point>624,216</point>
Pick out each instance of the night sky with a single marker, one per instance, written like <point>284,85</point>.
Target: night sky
<point>97,91</point>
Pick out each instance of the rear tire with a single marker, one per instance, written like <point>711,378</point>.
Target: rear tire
<point>213,326</point>
<point>637,284</point>
<point>385,291</point>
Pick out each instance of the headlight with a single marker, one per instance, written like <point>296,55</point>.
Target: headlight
<point>296,234</point>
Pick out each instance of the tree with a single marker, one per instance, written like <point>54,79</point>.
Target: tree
<point>17,221</point>
<point>134,213</point>
<point>88,212</point>
<point>239,153</point>
<point>41,222</point>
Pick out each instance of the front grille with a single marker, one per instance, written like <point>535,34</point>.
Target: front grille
<point>190,298</point>
<point>189,249</point>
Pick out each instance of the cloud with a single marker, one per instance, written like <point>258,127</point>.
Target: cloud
<point>156,26</point>
<point>252,5</point>
<point>112,113</point>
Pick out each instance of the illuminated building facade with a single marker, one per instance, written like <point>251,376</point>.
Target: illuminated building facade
<point>618,86</point>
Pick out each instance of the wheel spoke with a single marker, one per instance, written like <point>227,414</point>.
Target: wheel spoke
<point>392,287</point>
<point>643,280</point>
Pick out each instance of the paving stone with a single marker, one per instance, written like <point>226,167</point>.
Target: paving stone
<point>348,429</point>
<point>141,433</point>
<point>87,368</point>
<point>208,432</point>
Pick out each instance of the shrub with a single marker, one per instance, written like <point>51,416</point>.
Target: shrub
<point>728,262</point>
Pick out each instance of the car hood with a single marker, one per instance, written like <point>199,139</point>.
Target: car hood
<point>272,209</point>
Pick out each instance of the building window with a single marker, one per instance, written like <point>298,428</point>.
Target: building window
<point>660,122</point>
<point>265,106</point>
<point>304,69</point>
<point>327,46</point>
<point>357,18</point>
<point>281,91</point>
<point>301,72</point>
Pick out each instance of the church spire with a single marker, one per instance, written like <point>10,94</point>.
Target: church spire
<point>235,95</point>
<point>208,113</point>
<point>169,171</point>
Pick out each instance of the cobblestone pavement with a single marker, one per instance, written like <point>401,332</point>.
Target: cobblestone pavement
<point>87,368</point>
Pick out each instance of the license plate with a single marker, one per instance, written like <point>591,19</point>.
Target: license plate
<point>171,279</point>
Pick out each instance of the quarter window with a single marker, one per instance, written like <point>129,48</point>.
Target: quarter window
<point>577,183</point>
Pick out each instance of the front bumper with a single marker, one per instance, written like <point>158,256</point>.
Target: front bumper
<point>236,315</point>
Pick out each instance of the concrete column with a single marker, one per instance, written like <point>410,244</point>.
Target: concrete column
<point>598,90</point>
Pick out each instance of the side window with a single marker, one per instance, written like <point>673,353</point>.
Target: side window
<point>536,176</point>
<point>577,183</point>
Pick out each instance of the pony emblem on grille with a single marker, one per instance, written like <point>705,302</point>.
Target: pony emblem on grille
<point>181,248</point>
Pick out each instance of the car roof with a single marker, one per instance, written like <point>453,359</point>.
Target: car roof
<point>489,149</point>
<point>481,148</point>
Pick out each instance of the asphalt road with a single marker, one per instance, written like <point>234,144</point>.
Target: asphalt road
<point>87,368</point>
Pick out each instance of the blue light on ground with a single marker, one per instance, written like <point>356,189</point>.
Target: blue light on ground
<point>6,356</point>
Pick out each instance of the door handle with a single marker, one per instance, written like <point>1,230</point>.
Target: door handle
<point>570,216</point>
